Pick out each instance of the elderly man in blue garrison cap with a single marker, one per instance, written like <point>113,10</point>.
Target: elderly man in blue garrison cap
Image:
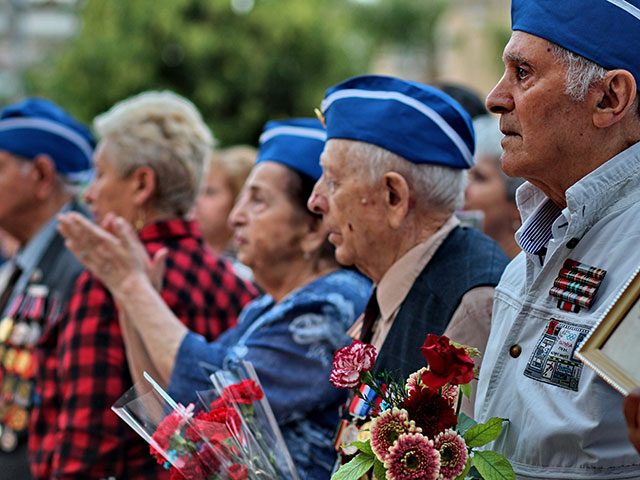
<point>569,109</point>
<point>45,156</point>
<point>394,170</point>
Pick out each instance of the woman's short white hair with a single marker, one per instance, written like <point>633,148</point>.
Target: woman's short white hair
<point>434,187</point>
<point>166,132</point>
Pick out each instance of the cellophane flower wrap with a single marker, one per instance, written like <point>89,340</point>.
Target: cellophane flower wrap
<point>238,385</point>
<point>199,443</point>
<point>413,428</point>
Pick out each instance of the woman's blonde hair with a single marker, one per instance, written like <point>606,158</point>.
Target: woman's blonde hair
<point>166,132</point>
<point>235,163</point>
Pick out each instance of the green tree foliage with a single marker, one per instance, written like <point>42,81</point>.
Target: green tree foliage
<point>240,69</point>
<point>412,24</point>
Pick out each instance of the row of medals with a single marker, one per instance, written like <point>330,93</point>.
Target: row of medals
<point>19,332</point>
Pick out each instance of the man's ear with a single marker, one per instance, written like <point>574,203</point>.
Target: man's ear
<point>44,172</point>
<point>144,184</point>
<point>397,198</point>
<point>615,95</point>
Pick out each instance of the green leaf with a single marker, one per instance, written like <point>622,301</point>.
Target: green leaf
<point>355,468</point>
<point>466,390</point>
<point>364,447</point>
<point>493,466</point>
<point>483,433</point>
<point>465,422</point>
<point>378,469</point>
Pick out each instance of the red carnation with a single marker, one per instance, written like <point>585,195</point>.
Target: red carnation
<point>238,472</point>
<point>430,411</point>
<point>166,429</point>
<point>246,392</point>
<point>447,363</point>
<point>349,362</point>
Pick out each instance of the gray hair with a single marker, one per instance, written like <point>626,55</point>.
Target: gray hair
<point>581,72</point>
<point>488,143</point>
<point>166,132</point>
<point>434,187</point>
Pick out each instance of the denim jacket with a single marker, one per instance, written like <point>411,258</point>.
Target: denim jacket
<point>291,346</point>
<point>565,422</point>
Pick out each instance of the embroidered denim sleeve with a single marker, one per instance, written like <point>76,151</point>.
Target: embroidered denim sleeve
<point>291,346</point>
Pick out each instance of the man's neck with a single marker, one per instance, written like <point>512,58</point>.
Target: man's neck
<point>29,224</point>
<point>412,235</point>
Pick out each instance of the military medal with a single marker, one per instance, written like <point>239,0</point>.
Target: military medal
<point>19,334</point>
<point>8,440</point>
<point>17,418</point>
<point>6,325</point>
<point>576,285</point>
<point>22,394</point>
<point>24,364</point>
<point>9,359</point>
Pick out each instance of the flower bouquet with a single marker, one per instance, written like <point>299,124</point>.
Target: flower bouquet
<point>211,444</point>
<point>414,429</point>
<point>231,385</point>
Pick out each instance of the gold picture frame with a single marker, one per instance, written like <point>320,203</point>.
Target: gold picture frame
<point>611,348</point>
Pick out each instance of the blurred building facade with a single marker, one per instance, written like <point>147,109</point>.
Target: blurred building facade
<point>30,31</point>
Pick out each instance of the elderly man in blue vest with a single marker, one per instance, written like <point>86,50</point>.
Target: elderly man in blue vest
<point>394,170</point>
<point>45,157</point>
<point>569,108</point>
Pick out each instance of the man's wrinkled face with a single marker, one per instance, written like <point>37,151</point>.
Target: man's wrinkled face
<point>541,123</point>
<point>16,189</point>
<point>349,204</point>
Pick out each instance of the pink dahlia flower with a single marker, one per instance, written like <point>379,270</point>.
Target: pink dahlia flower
<point>453,454</point>
<point>413,458</point>
<point>386,428</point>
<point>349,362</point>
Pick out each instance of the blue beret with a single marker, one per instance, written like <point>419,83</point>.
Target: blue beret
<point>296,143</point>
<point>603,31</point>
<point>417,122</point>
<point>37,126</point>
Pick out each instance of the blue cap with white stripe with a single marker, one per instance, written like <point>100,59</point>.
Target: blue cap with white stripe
<point>603,31</point>
<point>296,143</point>
<point>417,122</point>
<point>36,126</point>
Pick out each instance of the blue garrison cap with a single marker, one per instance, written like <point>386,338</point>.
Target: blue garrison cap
<point>603,31</point>
<point>296,143</point>
<point>37,126</point>
<point>417,122</point>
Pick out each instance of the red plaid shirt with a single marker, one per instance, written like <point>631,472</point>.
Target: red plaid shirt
<point>83,367</point>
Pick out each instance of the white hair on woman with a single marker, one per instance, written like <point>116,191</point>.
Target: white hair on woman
<point>434,187</point>
<point>166,132</point>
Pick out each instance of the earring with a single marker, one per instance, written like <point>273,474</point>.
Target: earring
<point>139,222</point>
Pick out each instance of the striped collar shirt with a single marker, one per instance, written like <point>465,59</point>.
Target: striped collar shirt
<point>537,229</point>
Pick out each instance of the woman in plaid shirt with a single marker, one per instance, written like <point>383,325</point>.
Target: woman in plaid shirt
<point>291,332</point>
<point>148,167</point>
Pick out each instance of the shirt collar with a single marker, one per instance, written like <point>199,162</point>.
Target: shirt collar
<point>612,185</point>
<point>396,283</point>
<point>173,228</point>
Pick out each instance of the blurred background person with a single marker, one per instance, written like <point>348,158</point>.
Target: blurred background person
<point>148,164</point>
<point>290,333</point>
<point>228,170</point>
<point>489,190</point>
<point>467,97</point>
<point>45,156</point>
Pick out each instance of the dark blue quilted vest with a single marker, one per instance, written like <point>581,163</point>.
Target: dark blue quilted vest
<point>466,259</point>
